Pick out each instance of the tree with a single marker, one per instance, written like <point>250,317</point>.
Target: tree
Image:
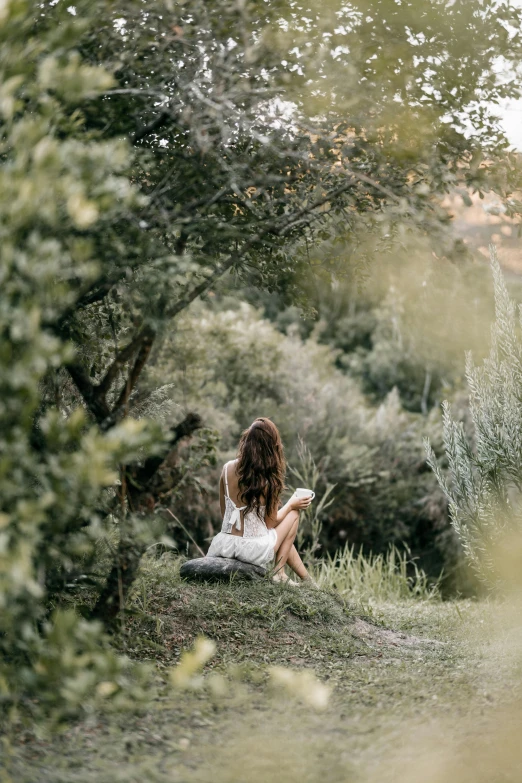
<point>264,155</point>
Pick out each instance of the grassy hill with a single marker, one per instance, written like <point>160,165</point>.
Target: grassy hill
<point>399,676</point>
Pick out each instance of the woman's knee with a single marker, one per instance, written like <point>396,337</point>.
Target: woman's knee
<point>287,529</point>
<point>293,524</point>
<point>294,516</point>
<point>292,531</point>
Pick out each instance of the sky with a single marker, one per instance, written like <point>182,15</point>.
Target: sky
<point>511,116</point>
<point>511,112</point>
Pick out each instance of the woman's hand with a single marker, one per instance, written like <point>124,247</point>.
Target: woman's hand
<point>299,504</point>
<point>294,504</point>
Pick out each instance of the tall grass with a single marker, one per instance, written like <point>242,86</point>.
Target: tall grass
<point>311,525</point>
<point>373,578</point>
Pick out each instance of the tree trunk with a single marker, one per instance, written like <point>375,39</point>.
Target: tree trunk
<point>111,601</point>
<point>147,483</point>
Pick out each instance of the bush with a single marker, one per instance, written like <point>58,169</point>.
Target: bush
<point>406,326</point>
<point>484,483</point>
<point>55,184</point>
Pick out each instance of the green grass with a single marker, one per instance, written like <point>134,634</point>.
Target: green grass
<point>375,578</point>
<point>256,621</point>
<point>414,671</point>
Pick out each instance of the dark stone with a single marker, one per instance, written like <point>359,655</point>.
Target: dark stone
<point>211,568</point>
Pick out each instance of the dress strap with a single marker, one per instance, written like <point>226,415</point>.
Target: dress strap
<point>235,517</point>
<point>225,471</point>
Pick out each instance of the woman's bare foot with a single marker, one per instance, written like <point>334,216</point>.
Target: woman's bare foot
<point>282,578</point>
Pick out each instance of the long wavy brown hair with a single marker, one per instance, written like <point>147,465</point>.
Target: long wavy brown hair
<point>261,466</point>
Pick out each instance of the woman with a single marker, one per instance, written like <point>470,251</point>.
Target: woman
<point>253,529</point>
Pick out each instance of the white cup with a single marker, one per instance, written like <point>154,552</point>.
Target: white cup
<point>302,492</point>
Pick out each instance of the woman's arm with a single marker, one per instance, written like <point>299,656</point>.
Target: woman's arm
<point>294,504</point>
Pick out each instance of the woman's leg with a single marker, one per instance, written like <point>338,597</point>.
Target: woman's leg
<point>286,532</point>
<point>297,565</point>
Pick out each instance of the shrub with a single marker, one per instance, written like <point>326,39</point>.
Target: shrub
<point>54,186</point>
<point>484,479</point>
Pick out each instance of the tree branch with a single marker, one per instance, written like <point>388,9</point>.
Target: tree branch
<point>144,335</point>
<point>94,396</point>
<point>184,429</point>
<point>139,364</point>
<point>94,294</point>
<point>152,126</point>
<point>97,406</point>
<point>270,228</point>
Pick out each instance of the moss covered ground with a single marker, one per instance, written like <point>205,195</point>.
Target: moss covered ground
<point>414,687</point>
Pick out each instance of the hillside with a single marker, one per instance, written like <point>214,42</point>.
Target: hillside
<point>397,675</point>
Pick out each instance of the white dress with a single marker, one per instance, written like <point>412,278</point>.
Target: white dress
<point>255,546</point>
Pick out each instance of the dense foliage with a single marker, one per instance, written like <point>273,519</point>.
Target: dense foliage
<point>56,184</point>
<point>227,362</point>
<point>407,325</point>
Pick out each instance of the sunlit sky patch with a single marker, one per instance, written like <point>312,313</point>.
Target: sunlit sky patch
<point>511,118</point>
<point>510,112</point>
